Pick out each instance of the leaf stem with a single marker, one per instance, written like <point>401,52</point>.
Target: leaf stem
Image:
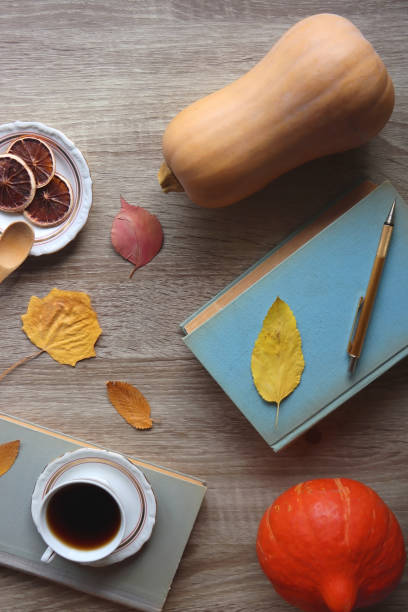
<point>276,416</point>
<point>19,363</point>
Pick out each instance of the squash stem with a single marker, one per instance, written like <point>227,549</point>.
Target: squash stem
<point>168,181</point>
<point>339,593</point>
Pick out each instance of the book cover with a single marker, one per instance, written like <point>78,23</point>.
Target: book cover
<point>143,580</point>
<point>321,272</point>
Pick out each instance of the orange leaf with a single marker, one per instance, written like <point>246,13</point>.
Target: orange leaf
<point>130,404</point>
<point>64,324</point>
<point>8,455</point>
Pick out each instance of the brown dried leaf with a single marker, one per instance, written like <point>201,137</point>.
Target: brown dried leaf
<point>130,404</point>
<point>8,455</point>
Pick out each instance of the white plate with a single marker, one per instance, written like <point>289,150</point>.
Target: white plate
<point>70,163</point>
<point>132,487</point>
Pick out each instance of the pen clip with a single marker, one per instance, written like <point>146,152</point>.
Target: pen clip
<point>353,327</point>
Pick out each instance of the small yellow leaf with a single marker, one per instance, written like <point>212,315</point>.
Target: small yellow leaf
<point>64,324</point>
<point>277,360</point>
<point>8,455</point>
<point>130,404</point>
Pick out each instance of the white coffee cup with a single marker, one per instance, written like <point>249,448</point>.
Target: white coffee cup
<point>62,522</point>
<point>116,475</point>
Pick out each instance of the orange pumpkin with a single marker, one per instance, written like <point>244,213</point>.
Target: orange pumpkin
<point>321,89</point>
<point>331,544</point>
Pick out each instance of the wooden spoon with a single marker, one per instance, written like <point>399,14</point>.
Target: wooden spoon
<point>15,245</point>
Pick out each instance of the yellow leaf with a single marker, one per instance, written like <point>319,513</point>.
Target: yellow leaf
<point>277,360</point>
<point>8,455</point>
<point>64,324</point>
<point>130,404</point>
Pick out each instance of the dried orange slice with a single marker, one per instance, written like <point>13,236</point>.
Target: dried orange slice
<point>51,204</point>
<point>38,157</point>
<point>17,184</point>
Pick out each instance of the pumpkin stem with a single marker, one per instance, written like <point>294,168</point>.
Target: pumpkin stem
<point>339,593</point>
<point>168,181</point>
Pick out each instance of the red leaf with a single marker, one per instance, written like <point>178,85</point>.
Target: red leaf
<point>136,234</point>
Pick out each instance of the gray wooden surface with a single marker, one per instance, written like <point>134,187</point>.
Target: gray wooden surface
<point>110,75</point>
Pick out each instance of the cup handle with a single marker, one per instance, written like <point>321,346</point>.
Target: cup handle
<point>48,555</point>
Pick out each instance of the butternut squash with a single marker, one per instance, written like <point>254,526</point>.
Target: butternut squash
<point>322,89</point>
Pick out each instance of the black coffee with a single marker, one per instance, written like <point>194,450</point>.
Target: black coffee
<point>83,516</point>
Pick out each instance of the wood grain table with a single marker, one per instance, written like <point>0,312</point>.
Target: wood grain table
<point>110,75</point>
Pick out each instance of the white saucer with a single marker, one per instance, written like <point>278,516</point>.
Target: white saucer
<point>132,488</point>
<point>70,163</point>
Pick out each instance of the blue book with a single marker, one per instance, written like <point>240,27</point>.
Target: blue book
<point>321,272</point>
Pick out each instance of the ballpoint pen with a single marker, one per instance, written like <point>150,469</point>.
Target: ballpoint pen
<point>366,303</point>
